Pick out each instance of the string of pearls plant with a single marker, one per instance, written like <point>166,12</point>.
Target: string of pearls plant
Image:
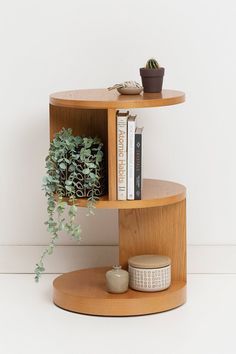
<point>68,156</point>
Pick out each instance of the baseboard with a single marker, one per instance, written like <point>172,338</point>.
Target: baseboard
<point>213,259</point>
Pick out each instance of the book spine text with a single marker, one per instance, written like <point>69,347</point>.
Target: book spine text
<point>130,154</point>
<point>138,166</point>
<point>121,157</point>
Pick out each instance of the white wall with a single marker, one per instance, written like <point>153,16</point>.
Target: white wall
<point>48,46</point>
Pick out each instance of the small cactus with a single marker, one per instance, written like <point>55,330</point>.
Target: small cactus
<point>152,64</point>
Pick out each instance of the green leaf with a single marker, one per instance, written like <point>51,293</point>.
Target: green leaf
<point>50,249</point>
<point>92,175</point>
<point>57,144</point>
<point>63,204</point>
<point>91,165</point>
<point>86,171</point>
<point>71,168</point>
<point>73,210</point>
<point>45,179</point>
<point>62,166</point>
<point>39,268</point>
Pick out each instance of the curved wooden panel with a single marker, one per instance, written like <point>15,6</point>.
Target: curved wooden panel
<point>84,292</point>
<point>160,230</point>
<point>104,99</point>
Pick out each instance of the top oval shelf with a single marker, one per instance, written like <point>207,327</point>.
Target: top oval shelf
<point>104,99</point>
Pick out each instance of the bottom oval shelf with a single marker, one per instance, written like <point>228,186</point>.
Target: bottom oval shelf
<point>84,291</point>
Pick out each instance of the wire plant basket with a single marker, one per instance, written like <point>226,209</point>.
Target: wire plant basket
<point>81,180</point>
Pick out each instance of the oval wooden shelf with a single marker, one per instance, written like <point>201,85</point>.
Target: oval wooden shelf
<point>84,292</point>
<point>104,99</point>
<point>155,193</point>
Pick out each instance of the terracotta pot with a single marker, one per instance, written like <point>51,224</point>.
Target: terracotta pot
<point>152,79</point>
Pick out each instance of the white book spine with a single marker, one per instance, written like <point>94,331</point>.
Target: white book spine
<point>121,157</point>
<point>130,154</point>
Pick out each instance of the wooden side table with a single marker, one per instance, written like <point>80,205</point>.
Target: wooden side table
<point>155,224</point>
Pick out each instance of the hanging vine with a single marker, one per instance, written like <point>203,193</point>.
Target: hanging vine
<point>73,170</point>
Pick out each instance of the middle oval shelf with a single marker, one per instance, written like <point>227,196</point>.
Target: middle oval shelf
<point>154,193</point>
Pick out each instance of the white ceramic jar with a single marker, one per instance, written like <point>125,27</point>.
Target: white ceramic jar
<point>149,272</point>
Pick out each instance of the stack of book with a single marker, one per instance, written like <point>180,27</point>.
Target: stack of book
<point>129,157</point>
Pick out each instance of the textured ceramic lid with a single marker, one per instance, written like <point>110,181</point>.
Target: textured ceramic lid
<point>149,261</point>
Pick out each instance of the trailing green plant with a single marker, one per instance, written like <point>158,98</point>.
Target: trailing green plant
<point>71,160</point>
<point>152,64</point>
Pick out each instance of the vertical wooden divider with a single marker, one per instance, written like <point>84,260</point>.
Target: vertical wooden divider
<point>159,230</point>
<point>112,158</point>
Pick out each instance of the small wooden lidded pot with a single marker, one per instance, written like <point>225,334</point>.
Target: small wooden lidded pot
<point>149,272</point>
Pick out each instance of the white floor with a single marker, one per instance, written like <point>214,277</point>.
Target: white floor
<point>31,324</point>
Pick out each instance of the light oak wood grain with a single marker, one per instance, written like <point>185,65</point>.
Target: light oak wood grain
<point>102,98</point>
<point>83,122</point>
<point>155,193</point>
<point>87,122</point>
<point>159,230</point>
<point>84,291</point>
